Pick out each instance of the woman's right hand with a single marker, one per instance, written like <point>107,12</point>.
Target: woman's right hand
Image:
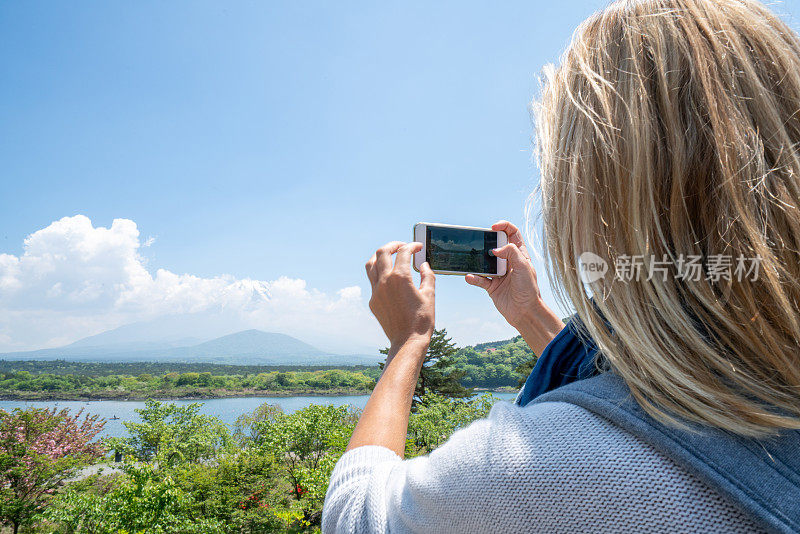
<point>516,294</point>
<point>404,311</point>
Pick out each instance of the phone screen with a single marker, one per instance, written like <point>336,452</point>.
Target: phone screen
<point>460,250</point>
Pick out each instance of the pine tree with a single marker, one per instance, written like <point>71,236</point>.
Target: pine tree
<point>438,374</point>
<point>525,369</point>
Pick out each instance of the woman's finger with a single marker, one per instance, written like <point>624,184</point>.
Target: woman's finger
<point>371,274</point>
<point>428,279</point>
<point>513,233</point>
<point>383,258</point>
<point>512,253</point>
<point>480,281</point>
<point>514,236</point>
<point>402,263</point>
<point>505,226</point>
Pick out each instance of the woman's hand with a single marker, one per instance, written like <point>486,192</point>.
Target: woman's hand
<point>516,295</point>
<point>405,312</point>
<point>406,315</point>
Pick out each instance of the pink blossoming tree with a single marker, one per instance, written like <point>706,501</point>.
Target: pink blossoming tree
<point>39,449</point>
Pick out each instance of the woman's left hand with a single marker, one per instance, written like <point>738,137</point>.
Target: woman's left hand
<point>404,311</point>
<point>516,294</point>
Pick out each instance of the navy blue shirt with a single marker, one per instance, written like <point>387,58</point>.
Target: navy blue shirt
<point>570,356</point>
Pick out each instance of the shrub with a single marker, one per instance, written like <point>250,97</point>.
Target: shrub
<point>144,500</point>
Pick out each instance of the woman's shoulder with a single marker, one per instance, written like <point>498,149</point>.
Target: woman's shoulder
<point>557,420</point>
<point>571,457</point>
<point>566,433</point>
<point>562,434</point>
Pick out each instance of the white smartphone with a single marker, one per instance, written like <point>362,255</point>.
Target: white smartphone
<point>451,249</point>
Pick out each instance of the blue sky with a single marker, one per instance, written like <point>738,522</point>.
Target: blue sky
<point>263,140</point>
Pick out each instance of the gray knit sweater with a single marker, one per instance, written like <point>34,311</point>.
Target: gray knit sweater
<point>546,467</point>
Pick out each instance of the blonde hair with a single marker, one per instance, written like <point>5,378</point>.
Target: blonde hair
<point>671,130</point>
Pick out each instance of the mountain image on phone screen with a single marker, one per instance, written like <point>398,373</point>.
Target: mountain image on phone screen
<point>461,250</point>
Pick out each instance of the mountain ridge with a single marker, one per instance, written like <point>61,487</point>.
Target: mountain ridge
<point>246,347</point>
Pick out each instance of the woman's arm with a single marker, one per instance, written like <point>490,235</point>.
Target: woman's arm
<point>456,487</point>
<point>516,295</point>
<point>384,421</point>
<point>406,314</point>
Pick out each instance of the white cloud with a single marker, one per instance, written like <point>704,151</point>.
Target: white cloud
<point>74,279</point>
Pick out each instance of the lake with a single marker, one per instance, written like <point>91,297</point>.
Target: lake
<point>227,410</point>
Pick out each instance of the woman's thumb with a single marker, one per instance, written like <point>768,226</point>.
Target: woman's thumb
<point>427,278</point>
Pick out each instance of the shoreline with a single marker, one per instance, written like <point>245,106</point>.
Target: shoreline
<point>132,396</point>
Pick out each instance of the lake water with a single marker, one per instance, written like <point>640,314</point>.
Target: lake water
<point>227,410</point>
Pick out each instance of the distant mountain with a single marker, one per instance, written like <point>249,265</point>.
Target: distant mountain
<point>164,332</point>
<point>249,347</point>
<point>254,342</point>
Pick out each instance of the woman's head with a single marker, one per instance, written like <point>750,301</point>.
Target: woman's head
<point>668,138</point>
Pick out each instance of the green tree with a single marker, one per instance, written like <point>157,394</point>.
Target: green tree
<point>172,434</point>
<point>308,443</point>
<point>188,379</point>
<point>438,374</point>
<point>524,369</point>
<point>282,379</point>
<point>437,417</point>
<point>246,429</point>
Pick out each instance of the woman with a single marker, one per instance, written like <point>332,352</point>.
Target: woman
<point>668,145</point>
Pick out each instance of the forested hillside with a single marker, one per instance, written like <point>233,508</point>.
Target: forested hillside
<point>495,364</point>
<point>487,365</point>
